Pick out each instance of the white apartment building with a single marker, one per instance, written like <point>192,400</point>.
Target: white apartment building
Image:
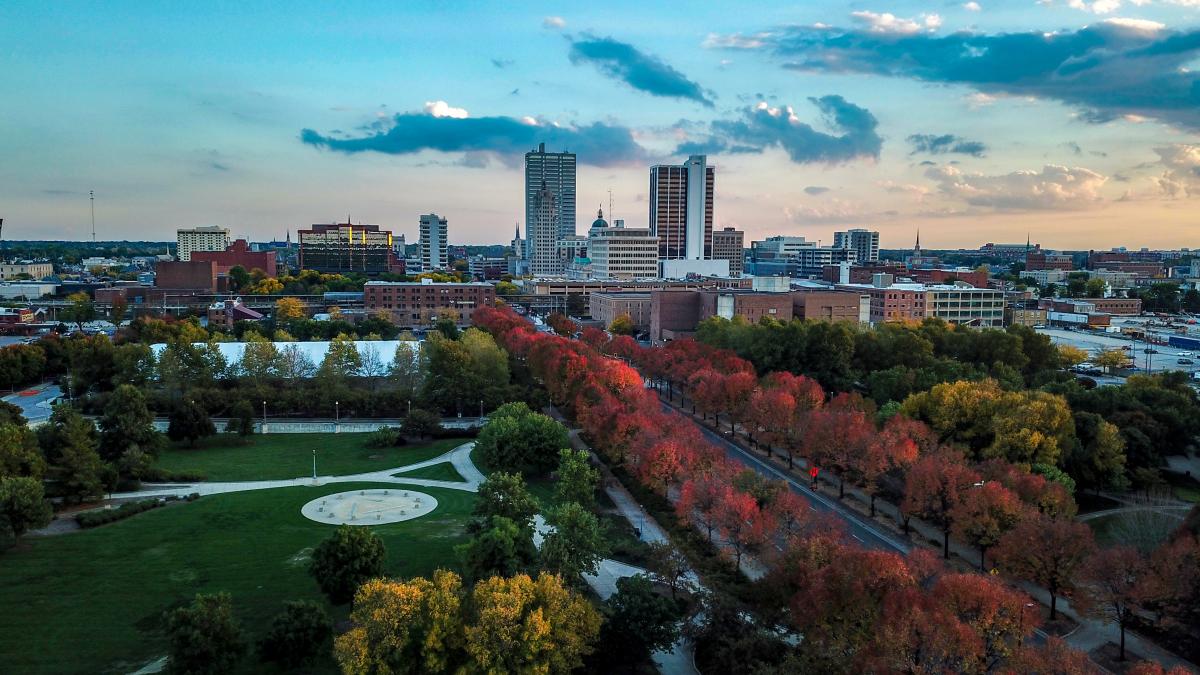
<point>864,242</point>
<point>434,249</point>
<point>622,253</point>
<point>204,238</point>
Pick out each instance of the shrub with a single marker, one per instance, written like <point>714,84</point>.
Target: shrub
<point>157,475</point>
<point>296,635</point>
<point>345,560</point>
<point>384,437</point>
<point>97,518</point>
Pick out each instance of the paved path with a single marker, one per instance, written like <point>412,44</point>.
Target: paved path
<point>460,457</point>
<point>35,401</point>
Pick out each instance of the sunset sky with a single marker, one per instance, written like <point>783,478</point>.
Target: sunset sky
<point>1077,122</point>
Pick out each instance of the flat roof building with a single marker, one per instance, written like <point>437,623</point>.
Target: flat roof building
<point>204,238</point>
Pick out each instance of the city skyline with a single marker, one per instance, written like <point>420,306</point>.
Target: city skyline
<point>818,118</point>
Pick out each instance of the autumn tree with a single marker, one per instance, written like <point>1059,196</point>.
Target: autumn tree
<point>527,626</point>
<point>622,325</point>
<point>1173,583</point>
<point>1001,618</point>
<point>1110,586</point>
<point>699,501</point>
<point>933,487</point>
<point>835,441</point>
<point>891,449</point>
<point>288,309</point>
<point>985,513</point>
<point>744,526</point>
<point>1047,552</point>
<point>1109,359</point>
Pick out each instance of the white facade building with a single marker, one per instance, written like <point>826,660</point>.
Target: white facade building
<point>205,238</point>
<point>542,232</point>
<point>434,255</point>
<point>864,242</point>
<point>622,253</point>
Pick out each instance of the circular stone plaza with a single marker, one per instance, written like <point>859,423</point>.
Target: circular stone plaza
<point>369,507</point>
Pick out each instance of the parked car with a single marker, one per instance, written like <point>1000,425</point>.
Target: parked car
<point>1185,362</point>
<point>1149,350</point>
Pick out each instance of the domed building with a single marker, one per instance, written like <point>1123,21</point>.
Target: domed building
<point>598,223</point>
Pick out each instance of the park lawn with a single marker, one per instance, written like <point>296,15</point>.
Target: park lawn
<point>92,601</point>
<point>444,471</point>
<point>283,456</point>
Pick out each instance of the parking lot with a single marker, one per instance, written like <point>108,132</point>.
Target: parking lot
<point>1166,358</point>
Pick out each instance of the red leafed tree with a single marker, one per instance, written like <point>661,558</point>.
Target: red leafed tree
<point>985,513</point>
<point>1002,617</point>
<point>836,439</point>
<point>707,391</point>
<point>561,324</point>
<point>1056,657</point>
<point>770,415</point>
<point>661,464</point>
<point>892,448</point>
<point>1048,497</point>
<point>1111,586</point>
<point>594,338</point>
<point>699,499</point>
<point>625,347</point>
<point>791,513</point>
<point>1048,553</point>
<point>1152,668</point>
<point>1173,585</point>
<point>917,634</point>
<point>932,488</point>
<point>745,527</point>
<point>736,399</point>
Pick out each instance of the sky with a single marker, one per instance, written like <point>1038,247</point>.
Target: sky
<point>1073,122</point>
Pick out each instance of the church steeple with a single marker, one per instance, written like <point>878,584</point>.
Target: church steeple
<point>917,247</point>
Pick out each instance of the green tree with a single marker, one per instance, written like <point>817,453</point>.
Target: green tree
<point>133,364</point>
<point>639,620</point>
<point>504,548</point>
<point>239,277</point>
<point>1097,459</point>
<point>241,419</point>
<point>406,372</point>
<point>260,358</point>
<point>577,478</point>
<point>204,638</point>
<point>297,635</point>
<point>1096,288</point>
<point>529,443</point>
<point>127,424</point>
<point>190,422</point>
<point>506,288</point>
<point>23,506</point>
<point>80,311</point>
<point>69,442</point>
<point>19,452</point>
<point>341,563</point>
<point>459,374</point>
<point>505,495</point>
<point>577,543</point>
<point>420,424</point>
<point>622,325</point>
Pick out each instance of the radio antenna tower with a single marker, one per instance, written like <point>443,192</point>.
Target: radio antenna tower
<point>92,199</point>
<point>610,209</point>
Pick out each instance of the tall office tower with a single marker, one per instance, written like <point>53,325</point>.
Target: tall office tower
<point>207,238</point>
<point>553,171</point>
<point>681,209</point>
<point>864,242</point>
<point>542,234</point>
<point>433,243</point>
<point>727,244</point>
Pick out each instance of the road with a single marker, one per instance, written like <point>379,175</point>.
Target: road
<point>35,402</point>
<point>861,530</point>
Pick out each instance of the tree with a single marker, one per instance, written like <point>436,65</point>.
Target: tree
<point>1055,657</point>
<point>576,544</point>
<point>288,309</point>
<point>406,373</point>
<point>1173,582</point>
<point>342,360</point>
<point>260,358</point>
<point>836,439</point>
<point>1110,586</point>
<point>1152,668</point>
<point>668,564</point>
<point>80,311</point>
<point>405,627</point>
<point>529,443</point>
<point>1048,553</point>
<point>525,626</point>
<point>932,489</point>
<point>985,513</point>
<point>893,448</point>
<point>1111,358</point>
<point>622,325</point>
<point>297,635</point>
<point>117,310</point>
<point>241,419</point>
<point>189,422</point>
<point>743,524</point>
<point>1097,460</point>
<point>420,424</point>
<point>505,495</point>
<point>204,638</point>
<point>501,548</point>
<point>699,501</point>
<point>23,506</point>
<point>577,478</point>
<point>345,560</point>
<point>639,620</point>
<point>19,452</point>
<point>127,424</point>
<point>1001,618</point>
<point>69,442</point>
<point>1070,355</point>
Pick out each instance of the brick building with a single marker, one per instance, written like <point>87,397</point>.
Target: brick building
<point>418,304</point>
<point>1041,260</point>
<point>814,305</point>
<point>607,306</point>
<point>729,244</point>
<point>239,255</point>
<point>225,313</point>
<point>191,274</point>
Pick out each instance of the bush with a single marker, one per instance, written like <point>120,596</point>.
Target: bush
<point>204,637</point>
<point>421,423</point>
<point>157,475</point>
<point>384,437</point>
<point>296,635</point>
<point>345,560</point>
<point>97,518</point>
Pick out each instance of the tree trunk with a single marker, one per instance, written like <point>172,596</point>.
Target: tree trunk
<point>982,558</point>
<point>872,505</point>
<point>904,523</point>
<point>1053,605</point>
<point>1121,624</point>
<point>841,488</point>
<point>946,544</point>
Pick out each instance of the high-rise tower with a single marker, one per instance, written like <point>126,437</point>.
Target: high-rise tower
<point>553,171</point>
<point>681,209</point>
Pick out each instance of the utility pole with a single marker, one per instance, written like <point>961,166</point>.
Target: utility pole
<point>92,199</point>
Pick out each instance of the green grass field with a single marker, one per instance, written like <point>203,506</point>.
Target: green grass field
<point>92,601</point>
<point>443,471</point>
<point>281,456</point>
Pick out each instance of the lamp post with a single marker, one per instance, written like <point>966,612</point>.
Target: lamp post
<point>264,424</point>
<point>481,409</point>
<point>337,414</point>
<point>314,464</point>
<point>410,406</point>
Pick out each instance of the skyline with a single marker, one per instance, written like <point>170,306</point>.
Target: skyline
<point>970,122</point>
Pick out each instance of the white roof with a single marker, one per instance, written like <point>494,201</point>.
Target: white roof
<point>315,351</point>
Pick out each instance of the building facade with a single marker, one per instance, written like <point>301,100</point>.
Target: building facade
<point>681,209</point>
<point>608,306</point>
<point>864,242</point>
<point>622,252</point>
<point>729,244</point>
<point>553,171</point>
<point>199,275</point>
<point>239,255</point>
<point>434,247</point>
<point>342,248</point>
<point>419,304</point>
<point>35,271</point>
<point>542,233</point>
<point>1048,261</point>
<point>205,238</point>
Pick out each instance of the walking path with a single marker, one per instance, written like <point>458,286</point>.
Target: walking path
<point>460,457</point>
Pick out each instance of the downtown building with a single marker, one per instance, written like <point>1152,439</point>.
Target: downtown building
<point>621,253</point>
<point>864,242</point>
<point>434,247</point>
<point>681,217</point>
<point>206,238</point>
<point>554,172</point>
<point>543,231</point>
<point>728,244</point>
<point>420,304</point>
<point>342,248</point>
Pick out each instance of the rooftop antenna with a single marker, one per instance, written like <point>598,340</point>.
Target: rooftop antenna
<point>610,203</point>
<point>92,199</point>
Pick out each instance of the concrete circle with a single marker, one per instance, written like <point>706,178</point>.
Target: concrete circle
<point>377,506</point>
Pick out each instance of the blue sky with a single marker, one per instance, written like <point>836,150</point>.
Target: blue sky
<point>1077,121</point>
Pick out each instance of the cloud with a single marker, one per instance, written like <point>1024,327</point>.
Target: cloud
<point>624,62</point>
<point>506,138</point>
<point>972,7</point>
<point>1182,175</point>
<point>946,144</point>
<point>891,24</point>
<point>1095,6</point>
<point>554,23</point>
<point>762,126</point>
<point>502,63</point>
<point>816,190</point>
<point>1073,147</point>
<point>1052,188</point>
<point>1109,70</point>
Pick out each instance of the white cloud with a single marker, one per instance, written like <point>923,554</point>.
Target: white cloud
<point>735,41</point>
<point>1054,187</point>
<point>443,109</point>
<point>1182,175</point>
<point>554,23</point>
<point>1139,25</point>
<point>892,24</point>
<point>1095,6</point>
<point>972,7</point>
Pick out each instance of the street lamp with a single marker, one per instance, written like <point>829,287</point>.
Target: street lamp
<point>410,406</point>
<point>480,408</point>
<point>337,415</point>
<point>314,464</point>
<point>264,424</point>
